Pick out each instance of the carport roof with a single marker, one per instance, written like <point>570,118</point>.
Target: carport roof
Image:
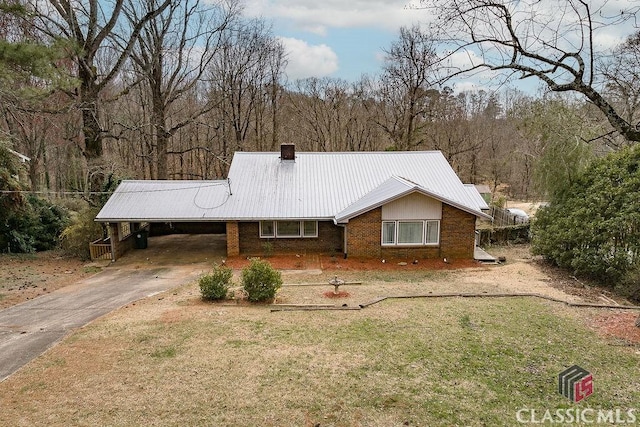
<point>313,186</point>
<point>164,200</point>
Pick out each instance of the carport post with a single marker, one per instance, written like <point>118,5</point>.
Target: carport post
<point>233,238</point>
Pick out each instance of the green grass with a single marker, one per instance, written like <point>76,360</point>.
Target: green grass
<point>92,269</point>
<point>428,362</point>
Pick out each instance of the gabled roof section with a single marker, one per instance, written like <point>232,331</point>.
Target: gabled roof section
<point>313,186</point>
<point>474,193</point>
<point>322,185</point>
<point>392,189</point>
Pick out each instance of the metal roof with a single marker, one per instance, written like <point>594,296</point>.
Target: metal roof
<point>313,186</point>
<point>474,193</point>
<point>395,188</point>
<point>138,201</point>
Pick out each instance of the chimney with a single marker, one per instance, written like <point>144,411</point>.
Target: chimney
<point>287,152</point>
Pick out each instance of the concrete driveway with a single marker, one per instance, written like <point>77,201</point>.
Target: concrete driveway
<point>29,329</point>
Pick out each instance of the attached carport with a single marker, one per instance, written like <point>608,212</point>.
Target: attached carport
<point>140,212</point>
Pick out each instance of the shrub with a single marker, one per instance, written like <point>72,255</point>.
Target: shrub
<point>629,286</point>
<point>215,285</point>
<point>82,230</point>
<point>592,228</point>
<point>32,225</point>
<point>261,281</point>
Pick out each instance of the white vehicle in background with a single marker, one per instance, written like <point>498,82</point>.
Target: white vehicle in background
<point>519,216</point>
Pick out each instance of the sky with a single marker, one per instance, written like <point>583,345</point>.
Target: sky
<point>334,38</point>
<point>346,38</point>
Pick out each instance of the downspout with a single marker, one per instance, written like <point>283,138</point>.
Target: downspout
<point>344,236</point>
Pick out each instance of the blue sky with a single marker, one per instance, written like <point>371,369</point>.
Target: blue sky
<point>345,38</point>
<point>334,38</point>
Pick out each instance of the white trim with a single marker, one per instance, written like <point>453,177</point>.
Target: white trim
<point>396,231</point>
<point>426,227</point>
<point>300,235</point>
<point>421,242</point>
<point>288,236</point>
<point>314,234</point>
<point>267,236</point>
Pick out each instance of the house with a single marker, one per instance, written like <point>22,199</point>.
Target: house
<point>358,204</point>
<point>485,192</point>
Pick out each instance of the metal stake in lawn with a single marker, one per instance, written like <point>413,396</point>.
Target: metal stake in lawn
<point>336,282</point>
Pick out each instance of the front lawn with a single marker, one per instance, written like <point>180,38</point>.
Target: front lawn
<point>175,360</point>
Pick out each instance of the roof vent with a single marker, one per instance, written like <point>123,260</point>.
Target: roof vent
<point>287,152</point>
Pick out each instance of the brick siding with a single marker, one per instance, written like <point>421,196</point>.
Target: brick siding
<point>457,237</point>
<point>329,240</point>
<point>233,239</point>
<point>457,234</point>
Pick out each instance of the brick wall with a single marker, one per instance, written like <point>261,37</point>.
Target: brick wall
<point>329,240</point>
<point>233,239</point>
<point>457,237</point>
<point>364,235</point>
<point>457,233</point>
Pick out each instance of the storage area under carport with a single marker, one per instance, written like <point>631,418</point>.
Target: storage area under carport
<point>172,249</point>
<point>169,241</point>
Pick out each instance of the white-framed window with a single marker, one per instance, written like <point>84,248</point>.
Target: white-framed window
<point>432,236</point>
<point>288,229</point>
<point>124,230</point>
<point>388,232</point>
<point>410,233</point>
<point>310,229</point>
<point>267,229</point>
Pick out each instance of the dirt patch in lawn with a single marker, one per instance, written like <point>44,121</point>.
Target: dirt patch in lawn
<point>617,325</point>
<point>27,276</point>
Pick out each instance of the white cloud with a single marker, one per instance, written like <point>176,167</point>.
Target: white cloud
<point>305,60</point>
<point>317,16</point>
<point>468,86</point>
<point>463,60</point>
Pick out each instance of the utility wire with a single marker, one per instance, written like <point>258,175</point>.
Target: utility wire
<point>111,192</point>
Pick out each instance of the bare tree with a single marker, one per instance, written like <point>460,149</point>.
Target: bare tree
<point>171,56</point>
<point>408,75</point>
<point>88,27</point>
<point>551,40</point>
<point>244,72</point>
<point>622,73</point>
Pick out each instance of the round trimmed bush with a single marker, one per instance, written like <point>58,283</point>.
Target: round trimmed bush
<point>215,285</point>
<point>261,281</point>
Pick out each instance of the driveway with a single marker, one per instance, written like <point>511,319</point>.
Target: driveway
<point>29,329</point>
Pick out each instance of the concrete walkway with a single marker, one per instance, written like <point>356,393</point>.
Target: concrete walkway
<point>29,329</point>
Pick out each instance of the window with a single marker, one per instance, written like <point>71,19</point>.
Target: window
<point>288,229</point>
<point>267,229</point>
<point>410,232</point>
<point>124,231</point>
<point>310,229</point>
<point>433,232</point>
<point>389,233</point>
